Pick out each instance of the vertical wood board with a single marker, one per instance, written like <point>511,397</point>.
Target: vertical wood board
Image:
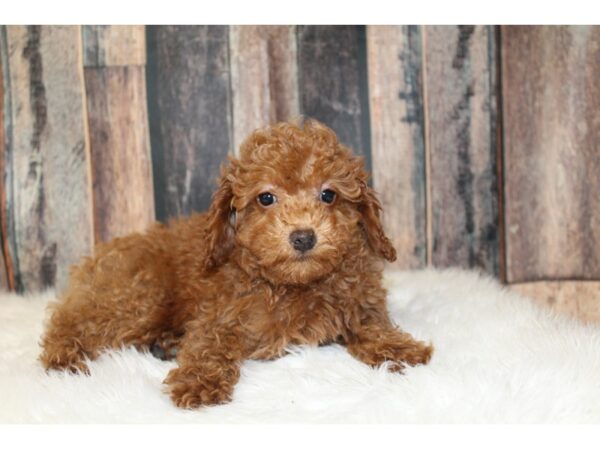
<point>460,83</point>
<point>6,281</point>
<point>397,137</point>
<point>120,150</point>
<point>333,82</point>
<point>552,151</point>
<point>264,77</point>
<point>114,45</point>
<point>50,208</point>
<point>189,102</point>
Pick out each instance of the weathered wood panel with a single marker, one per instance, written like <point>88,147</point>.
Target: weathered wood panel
<point>189,109</point>
<point>50,210</point>
<point>264,77</point>
<point>580,299</point>
<point>397,136</point>
<point>460,84</point>
<point>333,82</point>
<point>120,150</point>
<point>552,151</point>
<point>6,280</point>
<point>114,45</point>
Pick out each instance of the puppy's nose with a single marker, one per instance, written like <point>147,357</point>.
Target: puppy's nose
<point>303,240</point>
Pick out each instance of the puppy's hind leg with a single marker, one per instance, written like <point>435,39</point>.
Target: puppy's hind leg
<point>117,299</point>
<point>66,342</point>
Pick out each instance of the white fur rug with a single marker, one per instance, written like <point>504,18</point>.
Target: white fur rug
<point>498,359</point>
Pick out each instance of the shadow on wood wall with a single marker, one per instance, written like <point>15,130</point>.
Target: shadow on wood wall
<point>483,141</point>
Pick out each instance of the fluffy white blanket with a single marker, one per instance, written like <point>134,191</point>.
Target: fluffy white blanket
<point>498,359</point>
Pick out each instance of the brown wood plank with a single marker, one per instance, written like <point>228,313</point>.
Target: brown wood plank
<point>114,45</point>
<point>460,85</point>
<point>120,150</point>
<point>190,116</point>
<point>579,299</point>
<point>50,209</point>
<point>552,151</point>
<point>397,137</point>
<point>264,80</point>
<point>333,83</point>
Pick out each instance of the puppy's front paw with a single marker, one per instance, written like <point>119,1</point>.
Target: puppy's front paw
<point>191,387</point>
<point>412,354</point>
<point>400,352</point>
<point>64,359</point>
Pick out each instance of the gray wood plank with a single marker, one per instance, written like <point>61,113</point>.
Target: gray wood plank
<point>398,137</point>
<point>189,105</point>
<point>461,85</point>
<point>50,206</point>
<point>6,276</point>
<point>333,82</point>
<point>114,45</point>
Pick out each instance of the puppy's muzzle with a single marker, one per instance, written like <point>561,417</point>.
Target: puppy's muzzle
<point>303,240</point>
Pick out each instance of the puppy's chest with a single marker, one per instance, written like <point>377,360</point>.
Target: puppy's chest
<point>294,318</point>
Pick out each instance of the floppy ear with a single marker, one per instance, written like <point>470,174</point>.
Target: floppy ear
<point>370,209</point>
<point>220,226</point>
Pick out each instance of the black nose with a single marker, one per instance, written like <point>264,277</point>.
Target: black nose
<point>303,240</point>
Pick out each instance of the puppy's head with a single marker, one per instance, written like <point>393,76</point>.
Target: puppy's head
<point>295,203</point>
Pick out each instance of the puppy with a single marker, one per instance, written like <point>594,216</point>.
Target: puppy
<point>290,252</point>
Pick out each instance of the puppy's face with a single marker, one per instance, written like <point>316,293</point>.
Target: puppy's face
<point>301,203</point>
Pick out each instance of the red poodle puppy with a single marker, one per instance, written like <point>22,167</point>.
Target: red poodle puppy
<point>290,252</point>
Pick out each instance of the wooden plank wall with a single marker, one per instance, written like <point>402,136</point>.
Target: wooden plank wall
<point>552,165</point>
<point>482,141</point>
<point>552,152</point>
<point>398,137</point>
<point>49,207</point>
<point>6,275</point>
<point>115,82</point>
<point>460,88</point>
<point>189,101</point>
<point>264,77</point>
<point>332,77</point>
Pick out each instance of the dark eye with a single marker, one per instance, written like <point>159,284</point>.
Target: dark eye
<point>266,199</point>
<point>327,196</point>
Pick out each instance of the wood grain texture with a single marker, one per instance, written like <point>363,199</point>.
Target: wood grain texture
<point>398,139</point>
<point>50,210</point>
<point>333,83</point>
<point>6,280</point>
<point>120,150</point>
<point>188,90</point>
<point>114,45</point>
<point>552,151</point>
<point>579,299</point>
<point>460,83</point>
<point>264,77</point>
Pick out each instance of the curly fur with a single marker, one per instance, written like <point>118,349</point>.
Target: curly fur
<point>227,285</point>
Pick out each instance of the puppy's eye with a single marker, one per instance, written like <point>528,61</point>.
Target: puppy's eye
<point>327,196</point>
<point>266,199</point>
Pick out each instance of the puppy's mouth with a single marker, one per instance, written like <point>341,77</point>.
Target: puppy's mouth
<point>303,257</point>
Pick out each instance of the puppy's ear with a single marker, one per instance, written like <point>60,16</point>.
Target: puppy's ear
<point>221,222</point>
<point>370,208</point>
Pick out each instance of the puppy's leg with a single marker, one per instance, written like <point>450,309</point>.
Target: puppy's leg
<point>378,341</point>
<point>209,367</point>
<point>66,342</point>
<point>166,345</point>
<point>114,300</point>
